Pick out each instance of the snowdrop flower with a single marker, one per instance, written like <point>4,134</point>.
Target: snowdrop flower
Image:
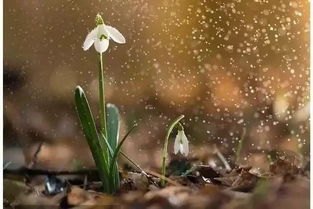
<point>181,143</point>
<point>101,35</point>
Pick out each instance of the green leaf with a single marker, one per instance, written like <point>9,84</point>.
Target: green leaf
<point>113,166</point>
<point>91,134</point>
<point>113,125</point>
<point>117,150</point>
<point>113,172</point>
<point>105,144</point>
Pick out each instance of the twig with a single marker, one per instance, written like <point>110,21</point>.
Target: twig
<point>6,164</point>
<point>35,157</point>
<point>134,164</point>
<point>163,177</point>
<point>222,158</point>
<point>85,181</point>
<point>139,168</point>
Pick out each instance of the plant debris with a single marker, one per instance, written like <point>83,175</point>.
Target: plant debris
<point>203,186</point>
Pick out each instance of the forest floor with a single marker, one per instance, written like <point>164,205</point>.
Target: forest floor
<point>190,183</point>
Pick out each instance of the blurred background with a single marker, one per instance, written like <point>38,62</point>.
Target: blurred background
<point>236,69</point>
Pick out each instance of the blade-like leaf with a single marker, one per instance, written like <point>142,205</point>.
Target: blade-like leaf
<point>113,125</point>
<point>117,150</point>
<point>91,134</point>
<point>105,144</point>
<point>113,172</point>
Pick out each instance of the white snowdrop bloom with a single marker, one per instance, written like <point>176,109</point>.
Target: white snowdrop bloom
<point>101,35</point>
<point>181,143</point>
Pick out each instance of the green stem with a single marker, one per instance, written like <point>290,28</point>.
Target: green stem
<point>240,144</point>
<point>103,127</point>
<point>164,157</point>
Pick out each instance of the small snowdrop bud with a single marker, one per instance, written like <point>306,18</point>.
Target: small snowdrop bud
<point>181,143</point>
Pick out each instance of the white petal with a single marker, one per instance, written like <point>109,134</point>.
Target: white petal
<point>101,46</point>
<point>186,149</point>
<point>177,144</point>
<point>185,144</point>
<point>102,31</point>
<point>90,39</point>
<point>181,148</point>
<point>115,34</point>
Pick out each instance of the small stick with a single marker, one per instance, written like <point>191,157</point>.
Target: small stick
<point>222,158</point>
<point>33,162</point>
<point>164,178</point>
<point>85,181</point>
<point>139,168</point>
<point>134,164</point>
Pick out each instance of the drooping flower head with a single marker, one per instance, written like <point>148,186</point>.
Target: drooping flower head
<point>101,35</point>
<point>181,143</point>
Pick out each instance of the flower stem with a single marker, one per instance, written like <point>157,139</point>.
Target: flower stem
<point>164,157</point>
<point>103,127</point>
<point>240,145</point>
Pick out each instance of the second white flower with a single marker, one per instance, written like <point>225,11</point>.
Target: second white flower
<point>181,143</point>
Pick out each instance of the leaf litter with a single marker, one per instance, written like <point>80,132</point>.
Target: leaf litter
<point>189,184</point>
